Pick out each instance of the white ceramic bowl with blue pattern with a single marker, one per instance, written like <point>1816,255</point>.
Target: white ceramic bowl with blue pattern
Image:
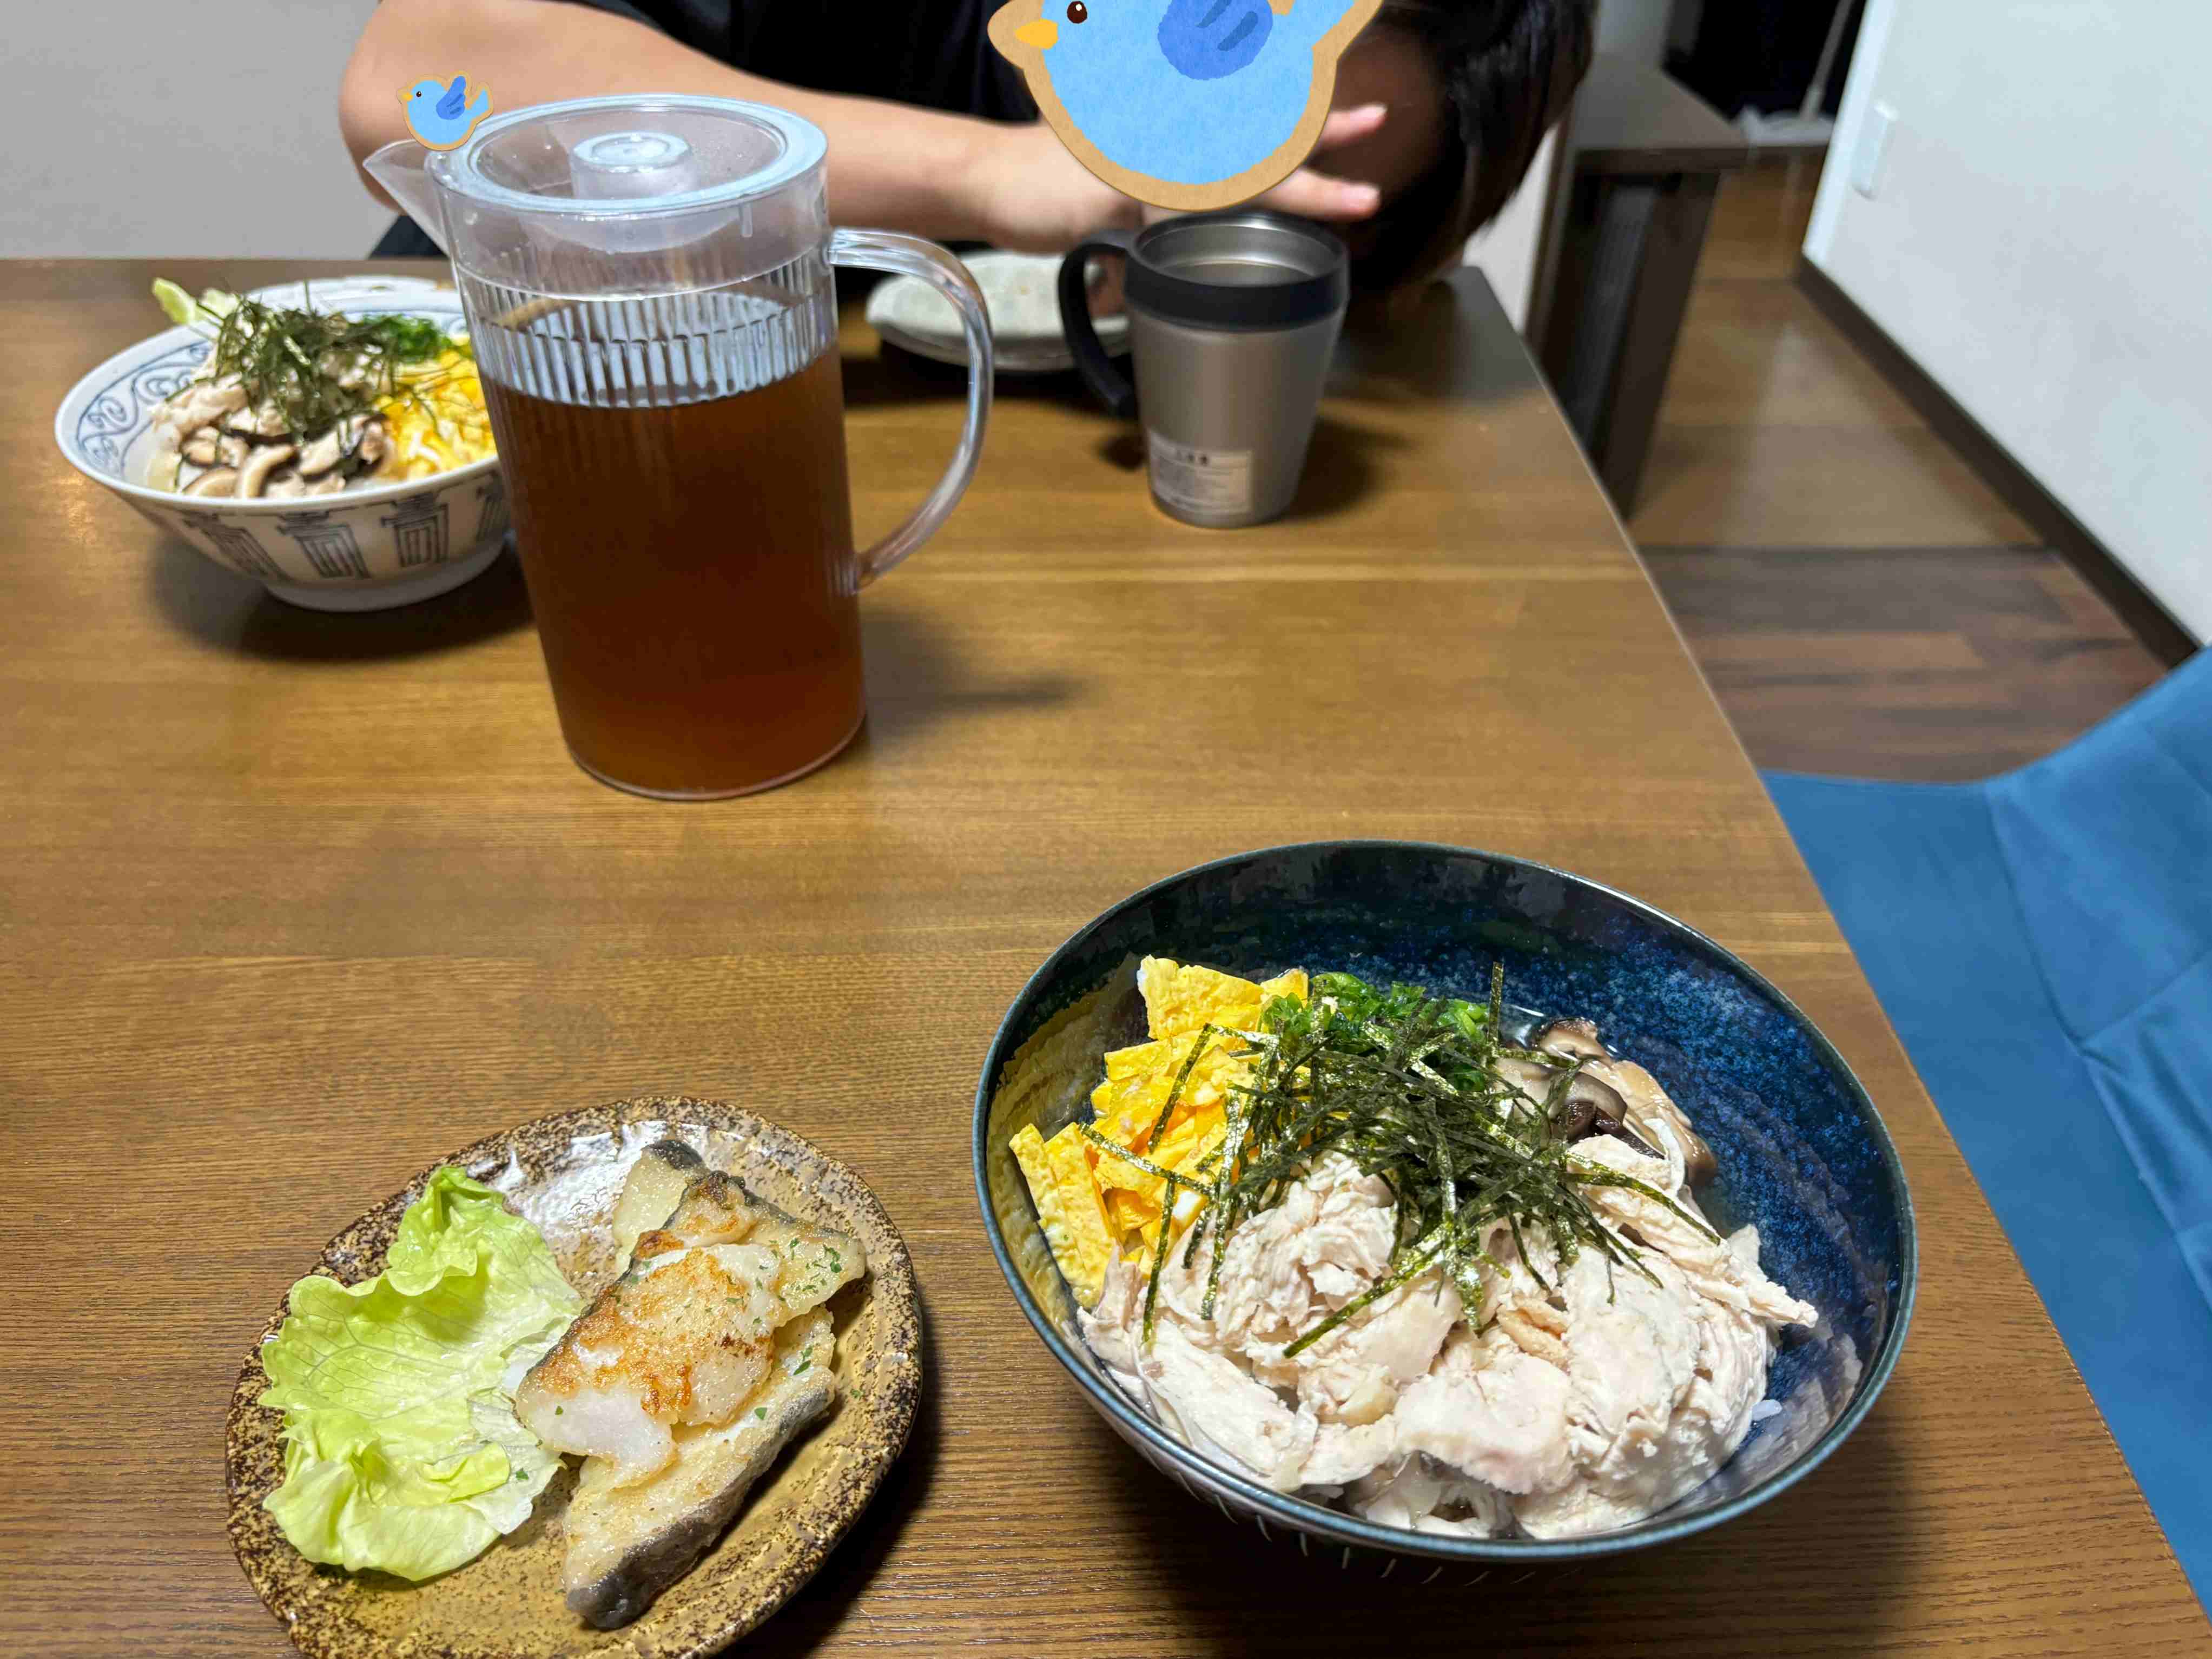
<point>364,549</point>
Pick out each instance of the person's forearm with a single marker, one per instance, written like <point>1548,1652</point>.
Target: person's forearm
<point>902,168</point>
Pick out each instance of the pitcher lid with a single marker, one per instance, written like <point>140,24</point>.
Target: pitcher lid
<point>597,158</point>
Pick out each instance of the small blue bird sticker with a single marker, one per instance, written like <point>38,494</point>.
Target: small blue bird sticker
<point>442,117</point>
<point>1186,104</point>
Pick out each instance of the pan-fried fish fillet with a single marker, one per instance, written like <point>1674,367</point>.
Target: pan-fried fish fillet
<point>687,1378</point>
<point>628,1542</point>
<point>687,1334</point>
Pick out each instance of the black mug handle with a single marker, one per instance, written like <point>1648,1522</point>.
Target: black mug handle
<point>1091,361</point>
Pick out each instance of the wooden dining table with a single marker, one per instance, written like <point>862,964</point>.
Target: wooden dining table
<point>292,904</point>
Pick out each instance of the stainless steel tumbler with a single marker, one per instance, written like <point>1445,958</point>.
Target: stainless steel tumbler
<point>1232,320</point>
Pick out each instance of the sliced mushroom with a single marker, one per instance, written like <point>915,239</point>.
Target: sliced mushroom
<point>1593,1107</point>
<point>199,448</point>
<point>354,446</point>
<point>374,445</point>
<point>264,461</point>
<point>231,451</point>
<point>329,484</point>
<point>327,451</point>
<point>1577,1039</point>
<point>1700,1165</point>
<point>1649,1104</point>
<point>215,480</point>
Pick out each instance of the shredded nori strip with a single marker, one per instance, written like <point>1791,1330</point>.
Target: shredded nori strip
<point>316,367</point>
<point>1407,1086</point>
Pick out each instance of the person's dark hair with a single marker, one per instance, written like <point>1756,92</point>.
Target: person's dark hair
<point>1509,68</point>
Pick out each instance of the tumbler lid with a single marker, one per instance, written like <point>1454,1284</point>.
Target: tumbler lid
<point>1239,269</point>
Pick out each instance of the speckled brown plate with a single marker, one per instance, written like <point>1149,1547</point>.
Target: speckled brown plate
<point>564,1173</point>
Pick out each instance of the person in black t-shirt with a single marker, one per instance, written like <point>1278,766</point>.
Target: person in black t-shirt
<point>1439,107</point>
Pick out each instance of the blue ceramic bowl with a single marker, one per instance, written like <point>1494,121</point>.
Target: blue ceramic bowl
<point>1802,1153</point>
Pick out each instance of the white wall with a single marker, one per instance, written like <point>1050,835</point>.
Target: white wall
<point>1635,29</point>
<point>180,127</point>
<point>2040,242</point>
<point>1505,248</point>
<point>151,128</point>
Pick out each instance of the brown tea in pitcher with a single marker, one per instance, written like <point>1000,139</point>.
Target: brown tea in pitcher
<point>691,568</point>
<point>652,305</point>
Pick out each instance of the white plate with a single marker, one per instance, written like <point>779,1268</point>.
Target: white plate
<point>1020,290</point>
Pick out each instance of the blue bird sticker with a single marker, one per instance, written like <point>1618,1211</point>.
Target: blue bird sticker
<point>1186,104</point>
<point>1206,39</point>
<point>443,117</point>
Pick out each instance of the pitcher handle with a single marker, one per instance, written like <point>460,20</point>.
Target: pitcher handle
<point>910,256</point>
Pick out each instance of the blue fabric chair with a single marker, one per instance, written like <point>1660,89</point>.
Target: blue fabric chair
<point>2043,943</point>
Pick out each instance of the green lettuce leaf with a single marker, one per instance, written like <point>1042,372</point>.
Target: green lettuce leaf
<point>179,306</point>
<point>402,1450</point>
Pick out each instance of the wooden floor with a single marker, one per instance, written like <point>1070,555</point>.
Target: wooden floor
<point>1859,599</point>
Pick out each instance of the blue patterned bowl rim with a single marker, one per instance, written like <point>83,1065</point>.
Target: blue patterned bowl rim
<point>367,295</point>
<point>1335,1524</point>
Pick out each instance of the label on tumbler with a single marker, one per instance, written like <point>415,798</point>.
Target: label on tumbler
<point>1200,480</point>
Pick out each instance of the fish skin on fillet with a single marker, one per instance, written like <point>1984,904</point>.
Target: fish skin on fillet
<point>686,1379</point>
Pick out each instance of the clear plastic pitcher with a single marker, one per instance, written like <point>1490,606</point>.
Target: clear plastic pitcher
<point>649,284</point>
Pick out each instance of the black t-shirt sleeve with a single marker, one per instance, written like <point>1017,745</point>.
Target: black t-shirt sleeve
<point>931,54</point>
<point>935,54</point>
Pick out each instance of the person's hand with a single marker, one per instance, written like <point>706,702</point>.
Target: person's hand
<point>1313,193</point>
<point>1027,193</point>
